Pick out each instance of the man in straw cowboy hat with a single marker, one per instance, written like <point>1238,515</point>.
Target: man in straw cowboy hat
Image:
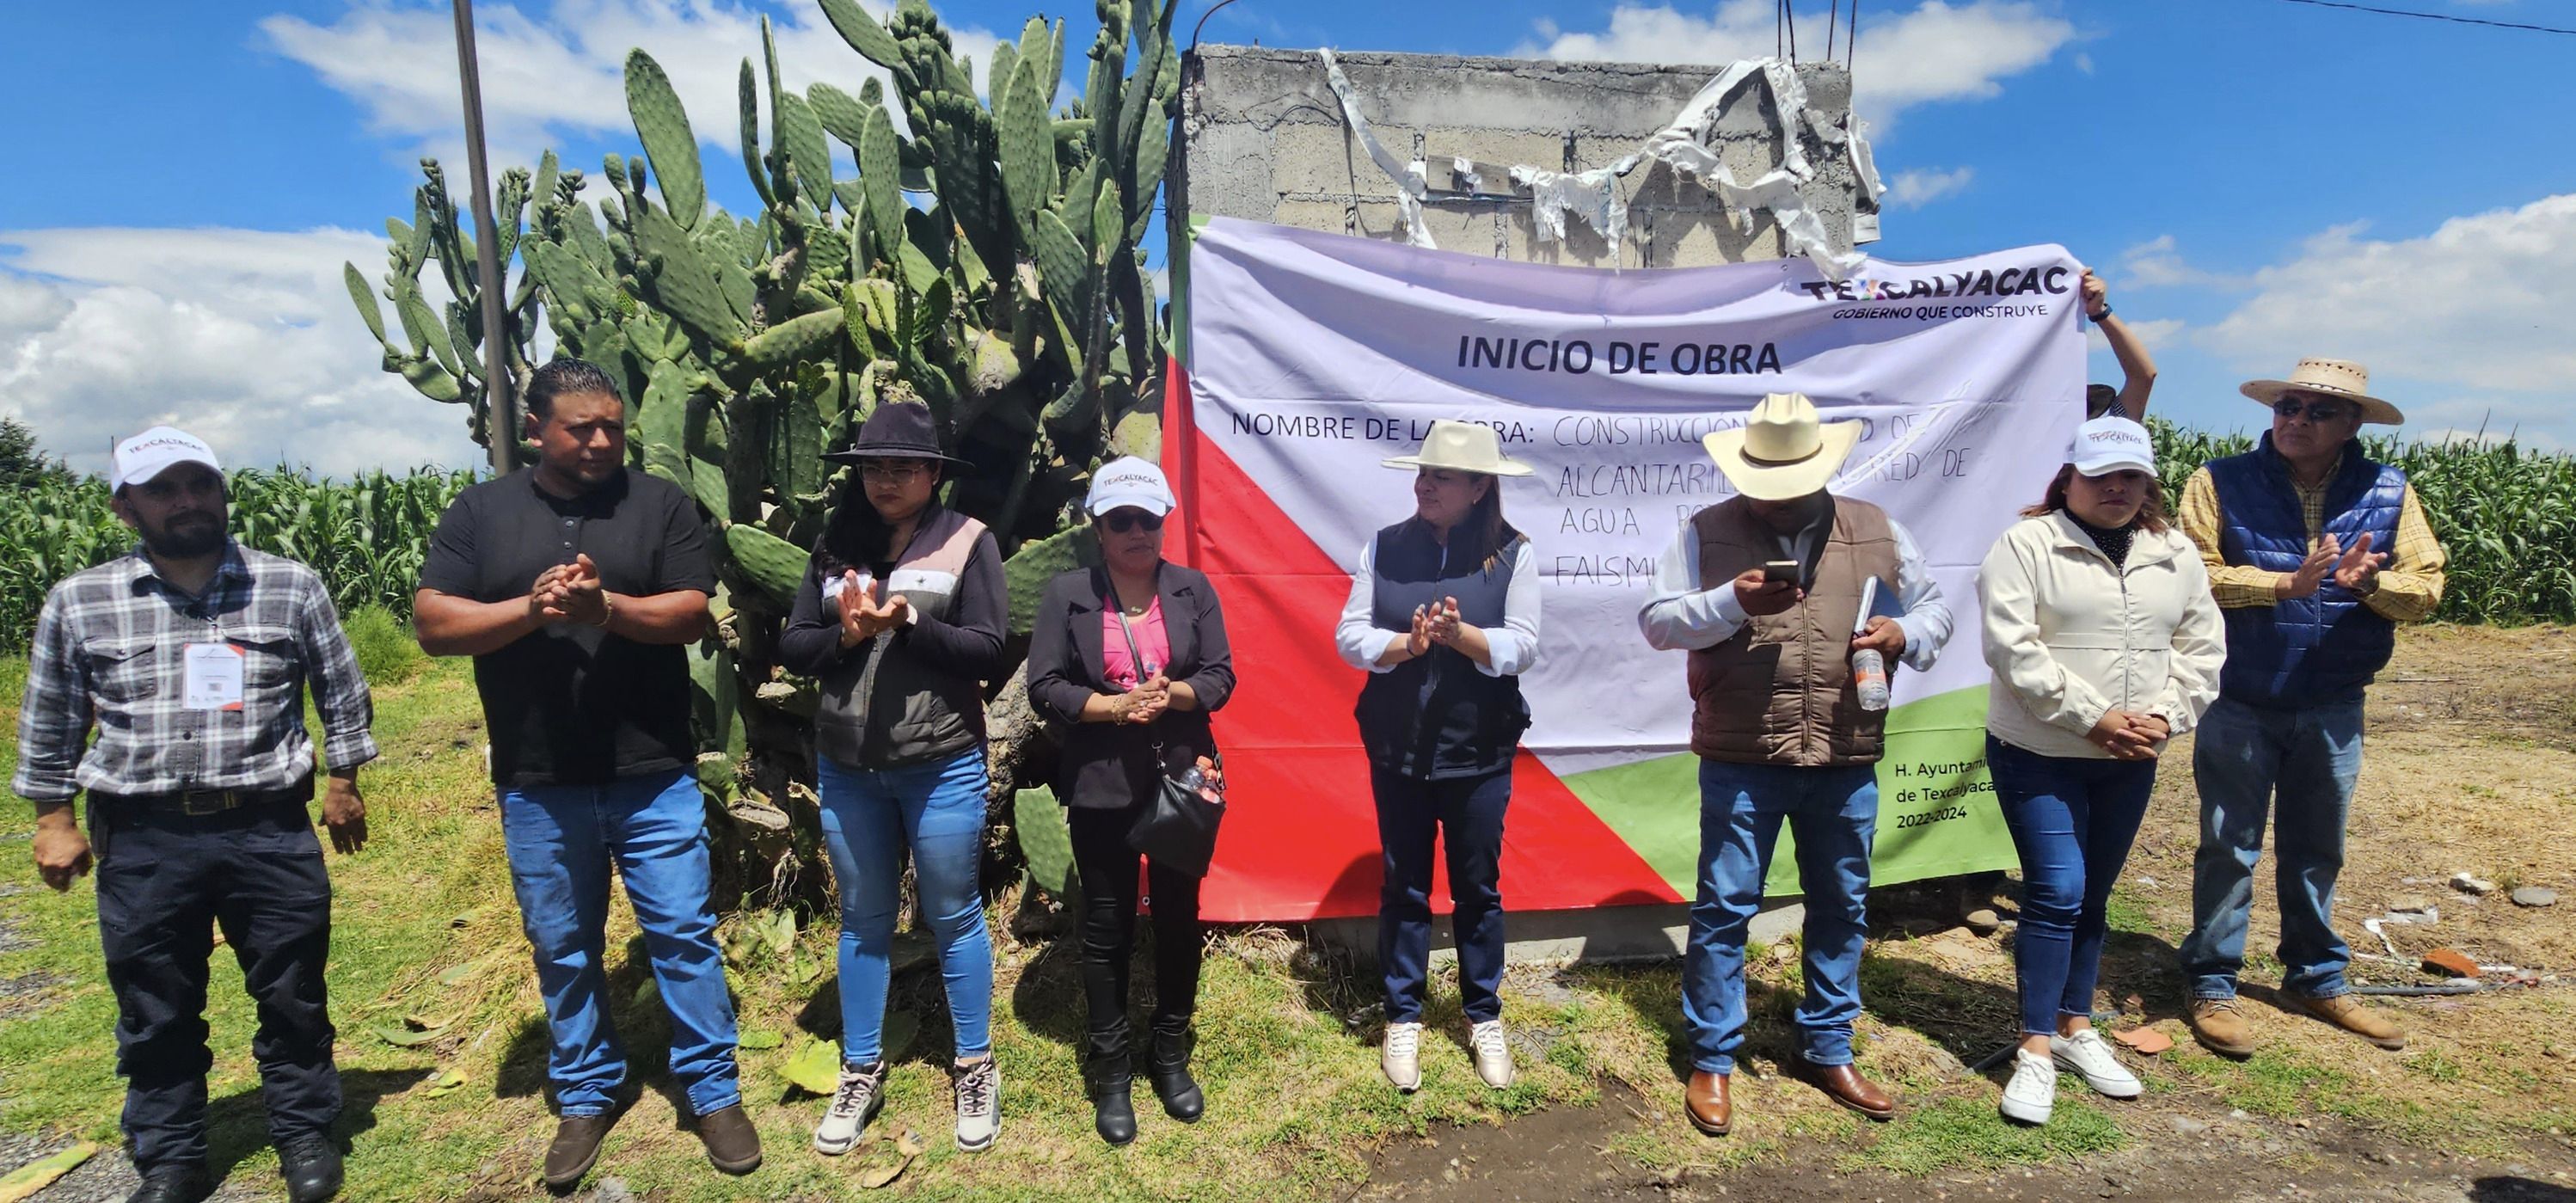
<point>2315,553</point>
<point>1765,591</point>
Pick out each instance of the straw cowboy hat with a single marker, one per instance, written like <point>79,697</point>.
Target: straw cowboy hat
<point>2336,378</point>
<point>1462,447</point>
<point>1784,450</point>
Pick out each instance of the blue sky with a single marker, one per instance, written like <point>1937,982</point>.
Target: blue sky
<point>2259,179</point>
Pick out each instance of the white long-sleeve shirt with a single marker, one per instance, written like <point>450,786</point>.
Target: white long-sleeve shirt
<point>1514,644</point>
<point>1681,615</point>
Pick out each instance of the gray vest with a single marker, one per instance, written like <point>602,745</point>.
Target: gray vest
<point>887,709</point>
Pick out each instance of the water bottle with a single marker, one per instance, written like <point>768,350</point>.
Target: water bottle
<point>1195,780</point>
<point>1869,673</point>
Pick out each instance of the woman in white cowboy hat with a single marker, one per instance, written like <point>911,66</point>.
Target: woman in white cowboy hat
<point>1443,614</point>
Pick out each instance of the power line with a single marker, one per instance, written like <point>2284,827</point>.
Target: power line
<point>2457,20</point>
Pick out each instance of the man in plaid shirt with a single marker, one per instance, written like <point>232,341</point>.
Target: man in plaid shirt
<point>191,655</point>
<point>2315,553</point>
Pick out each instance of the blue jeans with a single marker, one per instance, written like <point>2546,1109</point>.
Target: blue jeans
<point>1833,812</point>
<point>1466,814</point>
<point>2072,819</point>
<point>870,816</point>
<point>2246,760</point>
<point>653,828</point>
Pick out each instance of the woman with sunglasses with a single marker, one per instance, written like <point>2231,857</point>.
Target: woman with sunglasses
<point>1128,659</point>
<point>901,617</point>
<point>1443,615</point>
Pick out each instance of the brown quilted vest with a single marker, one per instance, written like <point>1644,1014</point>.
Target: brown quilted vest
<point>1780,691</point>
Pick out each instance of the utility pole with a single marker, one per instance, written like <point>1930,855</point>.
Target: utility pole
<point>502,420</point>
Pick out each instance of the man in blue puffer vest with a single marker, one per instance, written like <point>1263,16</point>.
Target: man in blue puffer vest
<point>2315,553</point>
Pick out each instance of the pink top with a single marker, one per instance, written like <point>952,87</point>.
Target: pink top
<point>1116,661</point>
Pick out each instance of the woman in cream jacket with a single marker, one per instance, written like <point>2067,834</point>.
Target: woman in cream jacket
<point>2105,643</point>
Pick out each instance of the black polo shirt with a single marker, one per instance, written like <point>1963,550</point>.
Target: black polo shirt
<point>571,704</point>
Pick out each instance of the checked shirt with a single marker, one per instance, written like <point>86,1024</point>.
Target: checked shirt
<point>108,651</point>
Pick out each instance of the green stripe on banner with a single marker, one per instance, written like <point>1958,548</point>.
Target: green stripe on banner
<point>1936,806</point>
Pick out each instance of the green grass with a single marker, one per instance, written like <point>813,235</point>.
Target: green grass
<point>1958,1134</point>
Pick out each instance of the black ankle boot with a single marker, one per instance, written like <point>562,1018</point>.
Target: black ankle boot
<point>1171,1073</point>
<point>1107,1078</point>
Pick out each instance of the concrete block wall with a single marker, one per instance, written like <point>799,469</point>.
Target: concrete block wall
<point>1262,138</point>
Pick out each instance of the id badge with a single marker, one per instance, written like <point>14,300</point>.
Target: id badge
<point>834,586</point>
<point>212,679</point>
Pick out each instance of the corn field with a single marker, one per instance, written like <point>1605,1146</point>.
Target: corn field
<point>2505,513</point>
<point>366,536</point>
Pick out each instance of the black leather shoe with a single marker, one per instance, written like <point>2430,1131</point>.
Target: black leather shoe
<point>174,1184</point>
<point>1171,1073</point>
<point>1113,1113</point>
<point>576,1148</point>
<point>311,1166</point>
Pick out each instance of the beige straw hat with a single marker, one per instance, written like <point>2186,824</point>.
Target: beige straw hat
<point>1462,447</point>
<point>2336,378</point>
<point>1784,450</point>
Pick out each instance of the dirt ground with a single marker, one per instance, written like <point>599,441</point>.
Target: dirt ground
<point>2470,766</point>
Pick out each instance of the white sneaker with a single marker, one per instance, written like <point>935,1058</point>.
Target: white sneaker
<point>854,1103</point>
<point>1401,1056</point>
<point>2032,1092</point>
<point>979,1105</point>
<point>2087,1055</point>
<point>1493,1053</point>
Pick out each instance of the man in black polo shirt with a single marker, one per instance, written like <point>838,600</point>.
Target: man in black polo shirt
<point>575,585</point>
<point>190,656</point>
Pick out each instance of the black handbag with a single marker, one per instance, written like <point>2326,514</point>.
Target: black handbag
<point>1177,828</point>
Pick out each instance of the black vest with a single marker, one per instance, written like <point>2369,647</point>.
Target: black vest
<point>1439,716</point>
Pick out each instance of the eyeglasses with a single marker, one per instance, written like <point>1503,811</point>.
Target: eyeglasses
<point>2317,410</point>
<point>1120,521</point>
<point>891,474</point>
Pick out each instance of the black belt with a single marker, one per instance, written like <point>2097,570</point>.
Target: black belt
<point>201,802</point>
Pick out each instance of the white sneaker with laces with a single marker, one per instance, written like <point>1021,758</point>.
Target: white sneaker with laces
<point>1493,1053</point>
<point>2087,1055</point>
<point>1401,1056</point>
<point>854,1103</point>
<point>979,1105</point>
<point>2032,1092</point>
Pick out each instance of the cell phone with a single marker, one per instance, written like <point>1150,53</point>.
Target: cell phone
<point>1783,571</point>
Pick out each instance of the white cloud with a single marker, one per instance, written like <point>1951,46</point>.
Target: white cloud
<point>2154,332</point>
<point>245,337</point>
<point>1934,51</point>
<point>2158,263</point>
<point>561,75</point>
<point>1915,189</point>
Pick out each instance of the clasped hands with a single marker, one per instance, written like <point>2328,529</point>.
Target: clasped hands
<point>1143,704</point>
<point>864,617</point>
<point>569,593</point>
<point>2354,568</point>
<point>1435,623</point>
<point>2128,735</point>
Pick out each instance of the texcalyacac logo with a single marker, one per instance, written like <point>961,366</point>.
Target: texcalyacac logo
<point>2011,281</point>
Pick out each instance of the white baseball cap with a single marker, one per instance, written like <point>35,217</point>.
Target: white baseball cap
<point>1129,481</point>
<point>2106,445</point>
<point>155,451</point>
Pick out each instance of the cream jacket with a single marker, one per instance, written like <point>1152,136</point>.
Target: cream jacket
<point>2070,636</point>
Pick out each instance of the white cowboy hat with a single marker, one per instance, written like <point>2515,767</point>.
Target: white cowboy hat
<point>1784,450</point>
<point>2336,378</point>
<point>1462,447</point>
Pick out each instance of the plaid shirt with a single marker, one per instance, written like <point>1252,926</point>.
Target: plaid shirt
<point>108,649</point>
<point>2410,587</point>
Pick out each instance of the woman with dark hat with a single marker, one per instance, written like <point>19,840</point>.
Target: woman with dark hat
<point>1128,659</point>
<point>901,617</point>
<point>1443,615</point>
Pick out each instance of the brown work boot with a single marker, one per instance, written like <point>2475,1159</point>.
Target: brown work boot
<point>2346,1012</point>
<point>1707,1104</point>
<point>576,1147</point>
<point>2220,1027</point>
<point>732,1143</point>
<point>1843,1084</point>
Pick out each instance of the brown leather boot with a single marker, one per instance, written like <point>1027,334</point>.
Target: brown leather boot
<point>733,1145</point>
<point>2220,1026</point>
<point>576,1147</point>
<point>1843,1084</point>
<point>2346,1012</point>
<point>1707,1104</point>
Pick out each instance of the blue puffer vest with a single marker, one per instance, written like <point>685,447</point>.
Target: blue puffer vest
<point>1440,717</point>
<point>2310,650</point>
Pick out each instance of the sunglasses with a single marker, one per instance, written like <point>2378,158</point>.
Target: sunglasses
<point>2316,410</point>
<point>1121,521</point>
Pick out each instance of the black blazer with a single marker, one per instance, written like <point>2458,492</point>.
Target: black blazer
<point>1105,765</point>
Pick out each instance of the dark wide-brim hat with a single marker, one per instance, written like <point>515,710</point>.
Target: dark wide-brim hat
<point>897,430</point>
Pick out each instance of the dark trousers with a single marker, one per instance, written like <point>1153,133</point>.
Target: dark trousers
<point>165,882</point>
<point>1466,815</point>
<point>1108,869</point>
